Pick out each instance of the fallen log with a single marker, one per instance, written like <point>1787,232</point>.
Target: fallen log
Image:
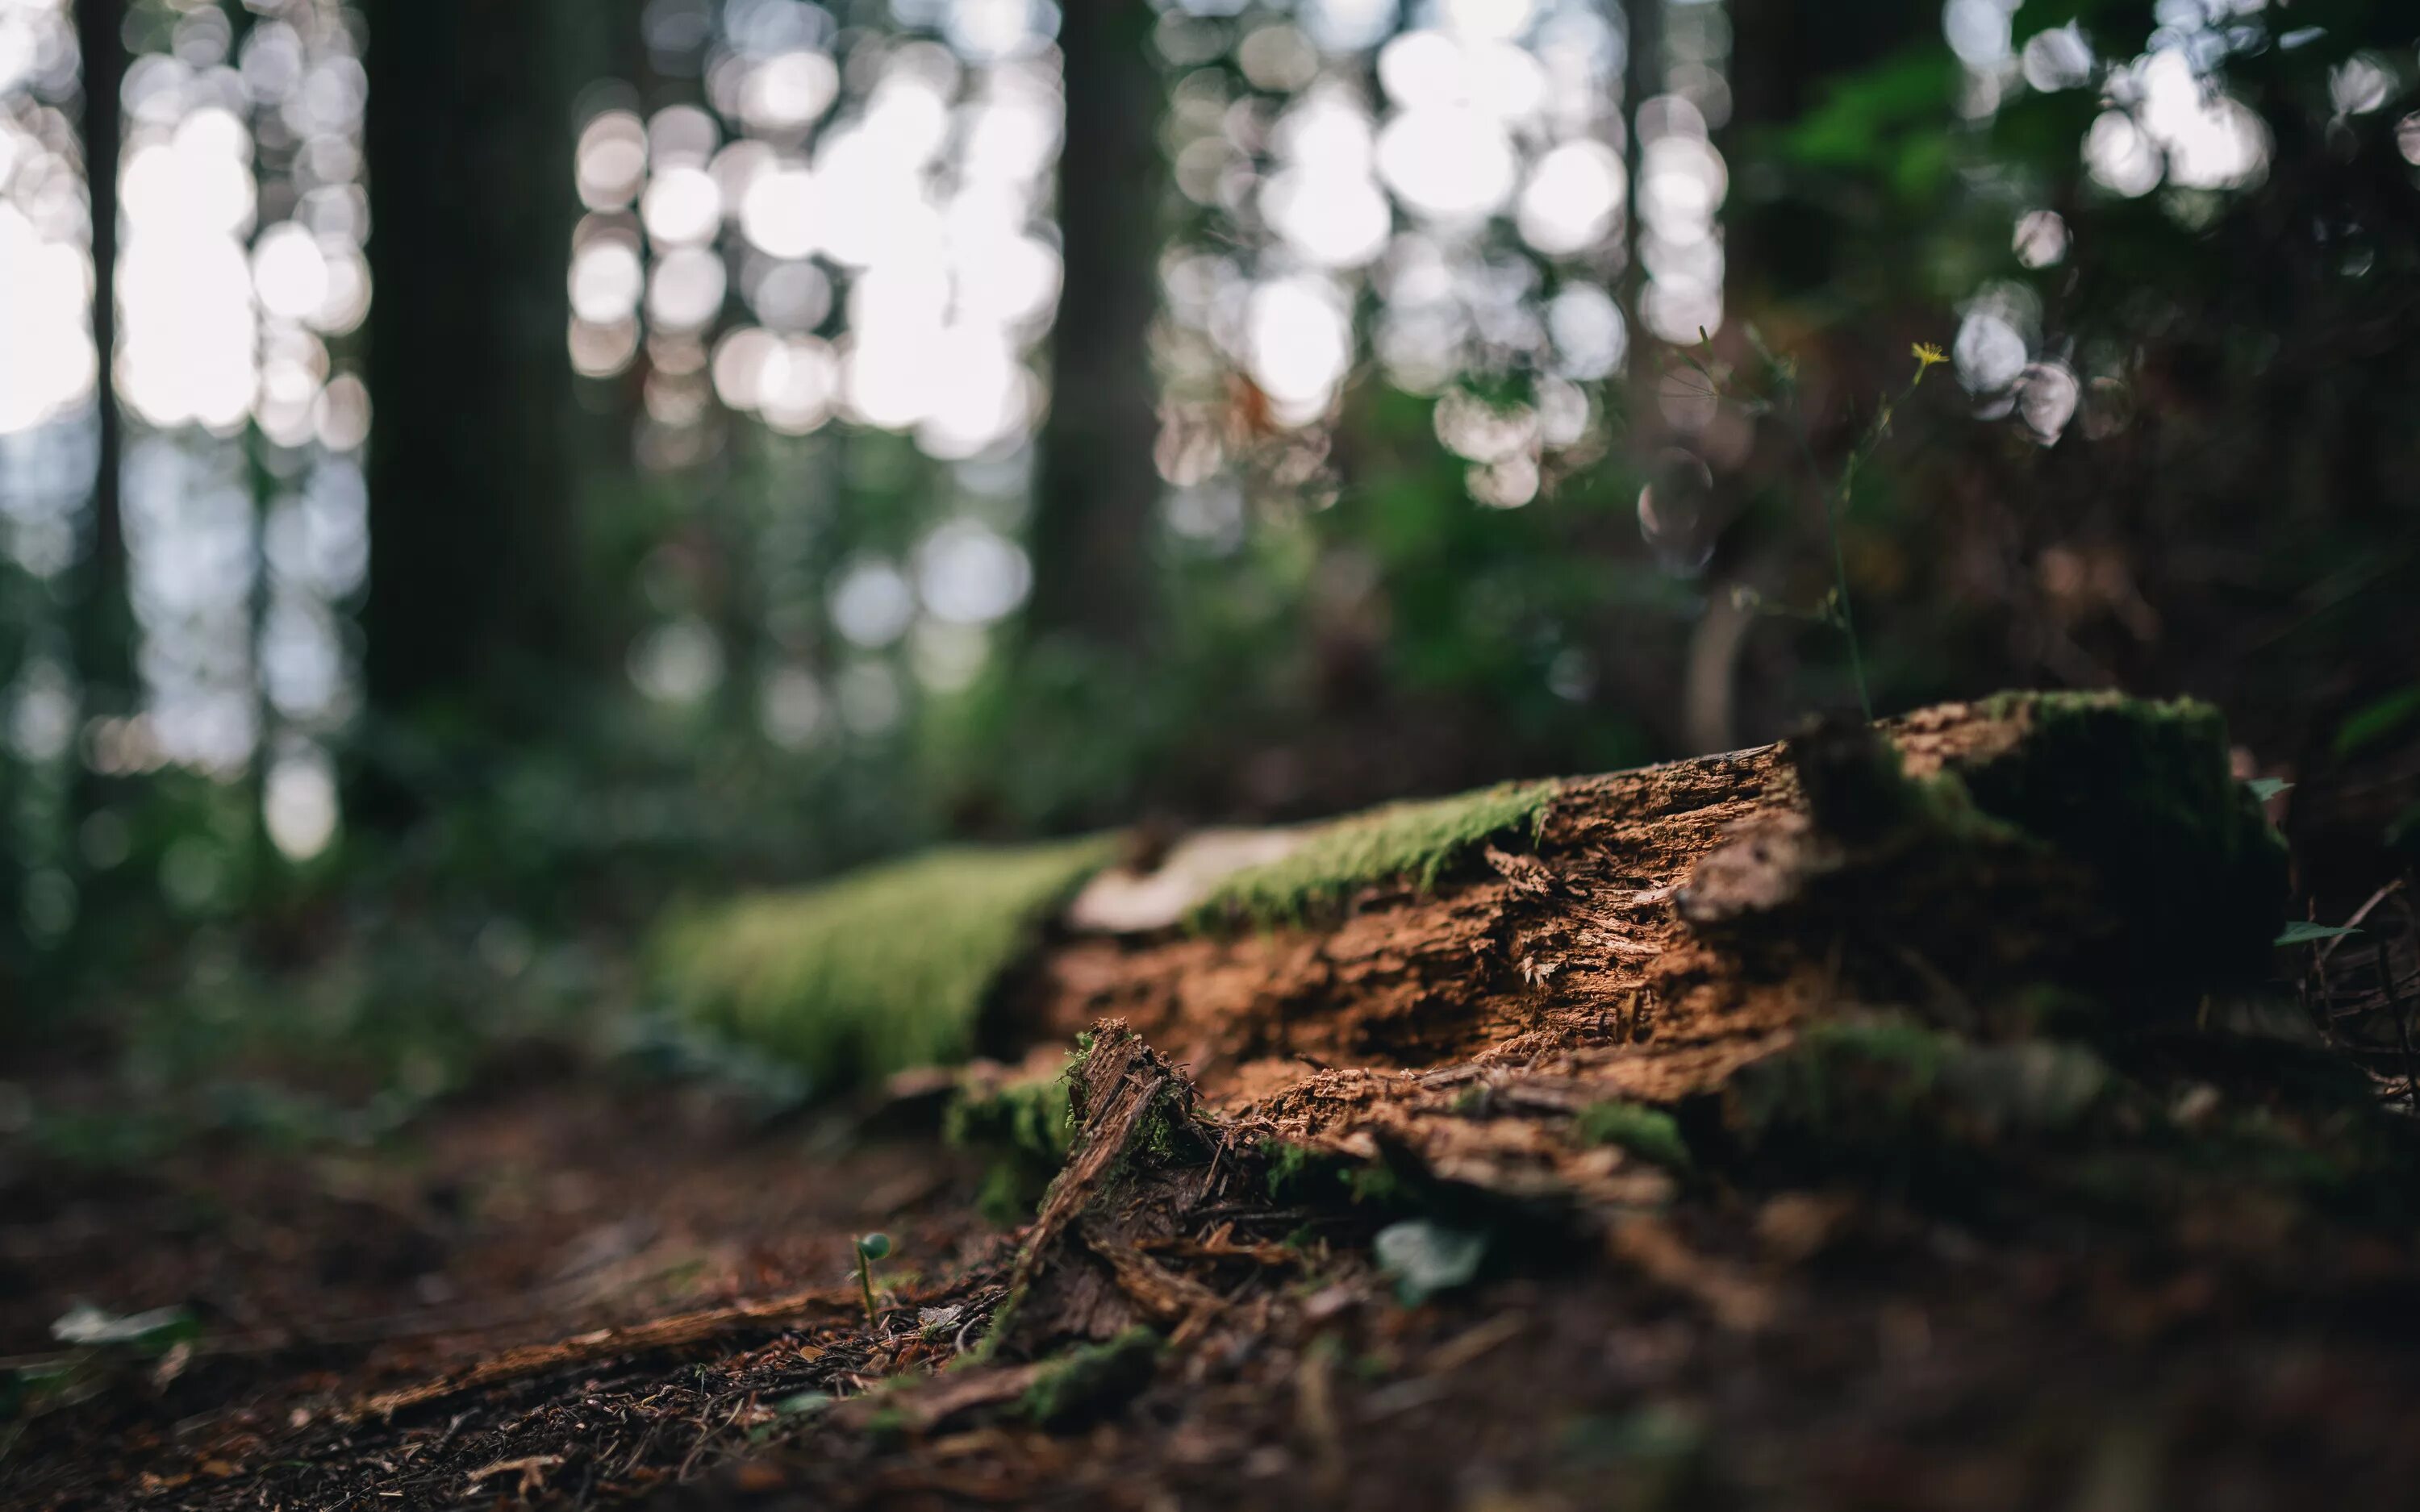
<point>1488,988</point>
<point>1666,920</point>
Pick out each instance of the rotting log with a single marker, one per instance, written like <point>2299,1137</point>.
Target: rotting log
<point>1511,992</point>
<point>1639,937</point>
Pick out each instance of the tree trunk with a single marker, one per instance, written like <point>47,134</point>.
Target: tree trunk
<point>1780,236</point>
<point>1093,506</point>
<point>104,650</point>
<point>473,569</point>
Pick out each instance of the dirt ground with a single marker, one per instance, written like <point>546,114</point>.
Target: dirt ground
<point>2247,1358</point>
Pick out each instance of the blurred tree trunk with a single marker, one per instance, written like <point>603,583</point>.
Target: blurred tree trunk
<point>1779,237</point>
<point>103,639</point>
<point>474,595</point>
<point>101,619</point>
<point>1094,509</point>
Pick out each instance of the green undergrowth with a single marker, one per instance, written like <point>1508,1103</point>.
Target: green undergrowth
<point>881,970</point>
<point>1297,1174</point>
<point>1414,842</point>
<point>1889,1087</point>
<point>1026,1127</point>
<point>2118,1129</point>
<point>2142,792</point>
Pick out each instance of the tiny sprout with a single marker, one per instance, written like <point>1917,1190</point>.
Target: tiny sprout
<point>870,1248</point>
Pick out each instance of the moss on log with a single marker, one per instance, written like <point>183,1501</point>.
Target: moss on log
<point>880,971</point>
<point>1412,843</point>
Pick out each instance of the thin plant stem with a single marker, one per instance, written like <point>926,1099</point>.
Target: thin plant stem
<point>1839,569</point>
<point>1836,503</point>
<point>1836,495</point>
<point>1848,617</point>
<point>869,1247</point>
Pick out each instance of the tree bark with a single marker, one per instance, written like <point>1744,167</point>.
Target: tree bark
<point>473,589</point>
<point>102,638</point>
<point>1093,505</point>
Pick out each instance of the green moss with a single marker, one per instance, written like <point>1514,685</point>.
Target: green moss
<point>1893,1093</point>
<point>2142,793</point>
<point>1377,1186</point>
<point>1843,1085</point>
<point>1414,842</point>
<point>1297,1174</point>
<point>1027,1127</point>
<point>1029,1117</point>
<point>1289,1169</point>
<point>1650,1134</point>
<point>2357,1166</point>
<point>879,971</point>
<point>1078,1383</point>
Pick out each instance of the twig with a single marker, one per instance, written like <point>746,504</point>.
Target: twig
<point>2395,1001</point>
<point>2358,915</point>
<point>675,1332</point>
<point>1840,575</point>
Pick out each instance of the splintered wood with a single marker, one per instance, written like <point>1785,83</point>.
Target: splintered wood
<point>1464,1026</point>
<point>1520,953</point>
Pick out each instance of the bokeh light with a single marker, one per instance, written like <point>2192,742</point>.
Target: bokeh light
<point>881,225</point>
<point>45,230</point>
<point>240,279</point>
<point>849,230</point>
<point>2166,121</point>
<point>1441,189</point>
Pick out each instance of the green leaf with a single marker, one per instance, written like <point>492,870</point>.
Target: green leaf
<point>873,1246</point>
<point>2303,931</point>
<point>2266,788</point>
<point>2376,720</point>
<point>803,1403</point>
<point>1427,1257</point>
<point>1867,119</point>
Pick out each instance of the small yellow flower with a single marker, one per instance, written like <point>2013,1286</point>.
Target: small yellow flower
<point>1928,355</point>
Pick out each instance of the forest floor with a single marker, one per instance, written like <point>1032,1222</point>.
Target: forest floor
<point>559,1287</point>
<point>1874,1355</point>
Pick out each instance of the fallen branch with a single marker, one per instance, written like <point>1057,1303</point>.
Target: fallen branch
<point>681,1330</point>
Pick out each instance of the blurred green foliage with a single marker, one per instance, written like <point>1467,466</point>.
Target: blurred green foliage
<point>2234,513</point>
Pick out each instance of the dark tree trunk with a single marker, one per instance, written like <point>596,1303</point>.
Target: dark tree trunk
<point>1091,523</point>
<point>103,636</point>
<point>473,581</point>
<point>1780,237</point>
